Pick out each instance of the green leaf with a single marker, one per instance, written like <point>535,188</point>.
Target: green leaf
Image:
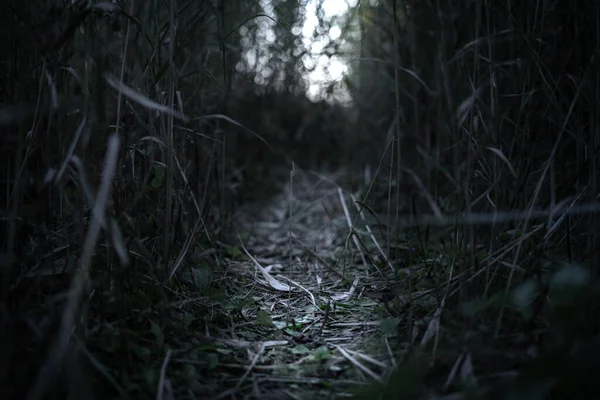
<point>242,303</point>
<point>389,326</point>
<point>322,353</point>
<point>235,252</point>
<point>218,294</point>
<point>264,318</point>
<point>109,340</point>
<point>522,297</point>
<point>212,360</point>
<point>405,383</point>
<point>159,175</point>
<point>158,334</point>
<point>187,320</point>
<point>570,277</point>
<point>290,331</point>
<point>280,324</point>
<point>189,372</point>
<point>143,353</point>
<point>300,349</point>
<point>471,308</point>
<point>202,277</point>
<point>150,376</point>
<point>569,286</point>
<point>497,300</point>
<point>329,384</point>
<point>511,234</point>
<point>481,255</point>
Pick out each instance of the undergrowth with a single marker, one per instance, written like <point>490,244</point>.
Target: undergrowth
<point>178,220</point>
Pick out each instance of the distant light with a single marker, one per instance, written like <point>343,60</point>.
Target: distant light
<point>324,70</point>
<point>335,32</point>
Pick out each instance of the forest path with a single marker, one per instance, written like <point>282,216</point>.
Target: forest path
<point>308,324</point>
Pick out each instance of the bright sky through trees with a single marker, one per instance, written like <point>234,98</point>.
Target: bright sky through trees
<point>327,69</point>
<point>324,69</point>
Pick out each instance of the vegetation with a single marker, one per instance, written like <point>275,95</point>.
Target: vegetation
<point>188,212</point>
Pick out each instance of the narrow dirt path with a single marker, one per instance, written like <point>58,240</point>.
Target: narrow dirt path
<point>308,325</point>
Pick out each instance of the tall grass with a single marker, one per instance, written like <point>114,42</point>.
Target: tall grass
<point>126,130</point>
<point>494,137</point>
<point>100,162</point>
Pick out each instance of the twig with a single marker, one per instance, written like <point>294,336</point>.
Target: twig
<point>163,372</point>
<point>232,391</point>
<point>489,218</point>
<point>351,226</point>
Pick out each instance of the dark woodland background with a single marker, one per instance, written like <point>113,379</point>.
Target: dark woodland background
<point>187,110</point>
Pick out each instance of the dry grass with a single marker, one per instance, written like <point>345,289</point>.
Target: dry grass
<point>453,252</point>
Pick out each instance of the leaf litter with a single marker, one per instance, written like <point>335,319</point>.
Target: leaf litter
<point>312,299</point>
